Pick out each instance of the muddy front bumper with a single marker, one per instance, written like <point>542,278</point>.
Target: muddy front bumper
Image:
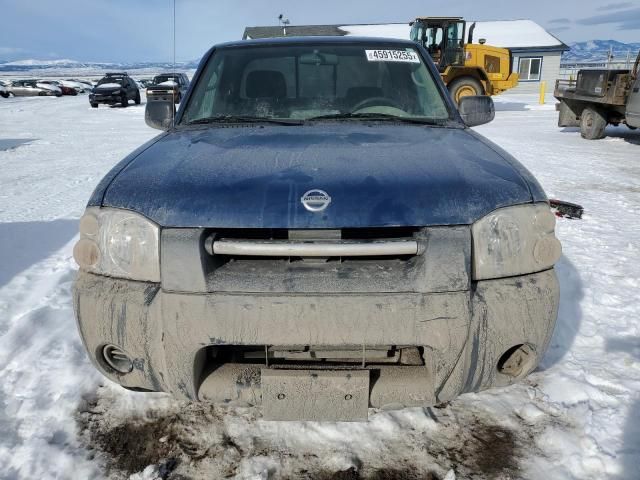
<point>463,336</point>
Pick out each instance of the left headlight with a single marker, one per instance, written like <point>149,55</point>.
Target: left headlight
<point>515,241</point>
<point>118,243</point>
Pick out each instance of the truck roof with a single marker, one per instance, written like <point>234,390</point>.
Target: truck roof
<point>440,19</point>
<point>293,40</point>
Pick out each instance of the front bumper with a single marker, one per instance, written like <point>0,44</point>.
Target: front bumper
<point>109,99</point>
<point>163,95</point>
<point>464,334</point>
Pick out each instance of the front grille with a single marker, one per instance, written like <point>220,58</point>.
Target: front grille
<point>366,260</point>
<point>340,261</point>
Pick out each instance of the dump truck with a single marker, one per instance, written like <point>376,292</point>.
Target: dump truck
<point>598,97</point>
<point>466,68</point>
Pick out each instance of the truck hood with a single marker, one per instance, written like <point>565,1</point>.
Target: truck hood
<point>168,86</point>
<point>376,175</point>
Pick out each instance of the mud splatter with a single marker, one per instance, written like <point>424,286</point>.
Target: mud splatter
<point>199,440</point>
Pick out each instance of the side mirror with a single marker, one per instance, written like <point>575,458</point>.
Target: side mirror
<point>476,110</point>
<point>160,113</point>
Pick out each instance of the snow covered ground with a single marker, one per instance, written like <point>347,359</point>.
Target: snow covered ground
<point>578,417</point>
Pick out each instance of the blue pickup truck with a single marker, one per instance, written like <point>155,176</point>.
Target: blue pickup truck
<point>318,231</point>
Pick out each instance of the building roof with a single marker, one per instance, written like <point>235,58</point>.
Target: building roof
<point>294,31</point>
<point>511,34</point>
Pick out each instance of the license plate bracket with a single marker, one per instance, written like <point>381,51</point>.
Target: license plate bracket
<point>319,395</point>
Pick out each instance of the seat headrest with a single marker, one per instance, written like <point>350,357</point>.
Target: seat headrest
<point>266,84</point>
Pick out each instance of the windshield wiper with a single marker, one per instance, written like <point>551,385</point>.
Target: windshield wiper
<point>243,119</point>
<point>379,117</point>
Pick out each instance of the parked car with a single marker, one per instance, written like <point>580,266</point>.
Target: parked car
<point>63,88</point>
<point>168,85</point>
<point>30,88</point>
<point>80,87</point>
<point>86,84</point>
<point>319,231</point>
<point>145,82</point>
<point>115,88</point>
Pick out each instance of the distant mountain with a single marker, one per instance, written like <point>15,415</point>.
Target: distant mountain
<point>598,51</point>
<point>35,63</point>
<point>37,66</point>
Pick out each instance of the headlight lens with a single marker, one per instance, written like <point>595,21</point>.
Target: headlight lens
<point>515,241</point>
<point>118,243</point>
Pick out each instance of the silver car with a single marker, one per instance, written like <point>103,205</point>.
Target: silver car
<point>32,88</point>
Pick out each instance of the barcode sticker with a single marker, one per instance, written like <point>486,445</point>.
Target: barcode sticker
<point>392,56</point>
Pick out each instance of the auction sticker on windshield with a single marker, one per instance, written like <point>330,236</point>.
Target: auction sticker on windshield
<point>392,56</point>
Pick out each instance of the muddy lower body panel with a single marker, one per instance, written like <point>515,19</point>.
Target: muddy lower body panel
<point>317,356</point>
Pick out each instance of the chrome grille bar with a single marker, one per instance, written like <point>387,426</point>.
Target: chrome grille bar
<point>287,248</point>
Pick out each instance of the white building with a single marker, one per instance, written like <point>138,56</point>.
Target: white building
<point>535,52</point>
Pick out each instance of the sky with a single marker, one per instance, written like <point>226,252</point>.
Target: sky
<point>141,30</point>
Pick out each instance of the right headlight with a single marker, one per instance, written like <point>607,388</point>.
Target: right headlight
<point>515,241</point>
<point>118,243</point>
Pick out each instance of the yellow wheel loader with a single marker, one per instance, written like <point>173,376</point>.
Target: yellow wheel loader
<point>466,68</point>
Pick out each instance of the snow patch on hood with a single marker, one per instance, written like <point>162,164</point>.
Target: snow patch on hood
<point>168,83</point>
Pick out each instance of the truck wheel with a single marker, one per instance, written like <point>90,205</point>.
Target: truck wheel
<point>137,99</point>
<point>124,100</point>
<point>94,105</point>
<point>464,87</point>
<point>592,124</point>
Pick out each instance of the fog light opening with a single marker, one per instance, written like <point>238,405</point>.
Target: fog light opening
<point>516,361</point>
<point>117,359</point>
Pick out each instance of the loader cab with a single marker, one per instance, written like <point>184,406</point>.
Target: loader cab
<point>442,37</point>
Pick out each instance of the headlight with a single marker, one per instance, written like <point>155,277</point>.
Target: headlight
<point>515,241</point>
<point>115,92</point>
<point>118,243</point>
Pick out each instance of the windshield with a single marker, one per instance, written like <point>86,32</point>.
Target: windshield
<point>302,82</point>
<point>105,80</point>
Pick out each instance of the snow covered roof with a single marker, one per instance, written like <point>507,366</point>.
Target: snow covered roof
<point>515,34</point>
<point>512,34</point>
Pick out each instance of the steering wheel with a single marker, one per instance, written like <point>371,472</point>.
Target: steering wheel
<point>376,102</point>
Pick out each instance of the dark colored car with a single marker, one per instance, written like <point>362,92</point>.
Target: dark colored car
<point>319,231</point>
<point>168,86</point>
<point>115,89</point>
